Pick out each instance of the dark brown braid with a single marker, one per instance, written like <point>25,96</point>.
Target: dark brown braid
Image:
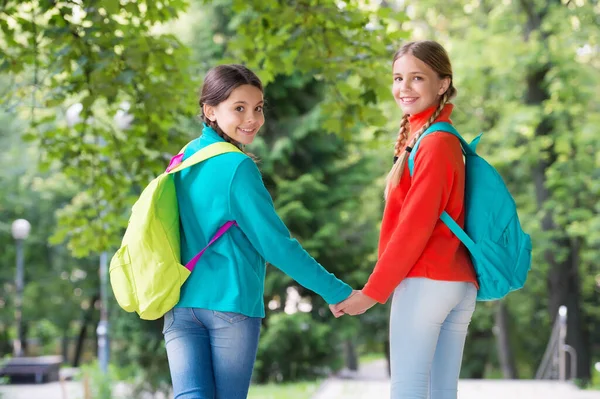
<point>220,132</point>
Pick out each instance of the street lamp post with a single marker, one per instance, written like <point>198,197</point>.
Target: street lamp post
<point>20,231</point>
<point>103,325</point>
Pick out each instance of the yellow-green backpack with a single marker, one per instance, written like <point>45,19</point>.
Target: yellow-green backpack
<point>146,273</point>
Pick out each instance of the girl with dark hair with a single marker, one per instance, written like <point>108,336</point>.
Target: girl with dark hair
<point>212,333</point>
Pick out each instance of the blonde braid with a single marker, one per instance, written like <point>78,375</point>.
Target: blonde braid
<point>402,136</point>
<point>393,178</point>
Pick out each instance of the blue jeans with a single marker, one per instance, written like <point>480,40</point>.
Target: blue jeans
<point>211,354</point>
<point>428,327</point>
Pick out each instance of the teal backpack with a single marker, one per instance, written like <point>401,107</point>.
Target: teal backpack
<point>500,250</point>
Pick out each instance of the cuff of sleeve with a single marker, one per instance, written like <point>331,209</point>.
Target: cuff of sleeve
<point>341,294</point>
<point>373,293</point>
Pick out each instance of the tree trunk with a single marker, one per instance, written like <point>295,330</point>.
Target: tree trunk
<point>565,290</point>
<point>5,345</point>
<point>505,352</point>
<point>351,358</point>
<point>563,277</point>
<point>64,346</point>
<point>87,318</point>
<point>80,343</point>
<point>25,343</point>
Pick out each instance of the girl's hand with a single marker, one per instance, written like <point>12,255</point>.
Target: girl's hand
<point>334,309</point>
<point>355,304</point>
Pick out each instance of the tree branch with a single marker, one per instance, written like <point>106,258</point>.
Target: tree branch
<point>533,21</point>
<point>35,64</point>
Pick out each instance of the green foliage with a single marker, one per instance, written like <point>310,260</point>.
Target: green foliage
<point>138,350</point>
<point>296,390</point>
<point>99,384</point>
<point>102,57</point>
<point>57,288</point>
<point>296,347</point>
<point>346,46</point>
<point>326,66</point>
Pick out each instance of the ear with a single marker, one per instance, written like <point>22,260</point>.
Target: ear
<point>445,84</point>
<point>209,112</point>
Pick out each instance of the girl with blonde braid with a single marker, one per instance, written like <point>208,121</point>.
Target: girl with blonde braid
<point>421,262</point>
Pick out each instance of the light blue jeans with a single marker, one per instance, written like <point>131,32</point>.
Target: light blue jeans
<point>428,327</point>
<point>211,354</point>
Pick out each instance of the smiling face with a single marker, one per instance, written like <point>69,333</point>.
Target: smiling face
<point>416,86</point>
<point>240,116</point>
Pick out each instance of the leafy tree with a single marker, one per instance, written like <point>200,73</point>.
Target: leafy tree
<point>102,55</point>
<point>57,288</point>
<point>108,53</point>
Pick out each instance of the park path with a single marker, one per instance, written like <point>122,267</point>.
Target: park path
<point>371,382</point>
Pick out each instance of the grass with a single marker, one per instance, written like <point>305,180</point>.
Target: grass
<point>370,357</point>
<point>298,390</point>
<point>595,382</point>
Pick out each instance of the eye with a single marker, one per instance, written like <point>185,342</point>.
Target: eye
<point>239,109</point>
<point>259,109</point>
<point>418,78</point>
<point>397,79</point>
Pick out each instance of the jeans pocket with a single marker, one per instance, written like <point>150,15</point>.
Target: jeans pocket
<point>169,319</point>
<point>230,317</point>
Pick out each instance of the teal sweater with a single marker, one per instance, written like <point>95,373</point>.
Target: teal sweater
<point>230,275</point>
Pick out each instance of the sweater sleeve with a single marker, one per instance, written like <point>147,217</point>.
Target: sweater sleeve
<point>252,207</point>
<point>434,170</point>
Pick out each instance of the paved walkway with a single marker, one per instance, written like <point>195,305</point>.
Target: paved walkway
<point>371,383</point>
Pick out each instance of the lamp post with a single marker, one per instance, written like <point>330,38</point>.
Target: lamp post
<point>102,329</point>
<point>20,231</point>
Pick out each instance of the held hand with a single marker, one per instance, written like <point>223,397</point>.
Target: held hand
<point>336,313</point>
<point>356,304</point>
<point>333,308</point>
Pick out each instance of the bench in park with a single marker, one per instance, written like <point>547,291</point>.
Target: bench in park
<point>31,369</point>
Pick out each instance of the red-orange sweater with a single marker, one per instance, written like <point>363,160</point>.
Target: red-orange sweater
<point>414,242</point>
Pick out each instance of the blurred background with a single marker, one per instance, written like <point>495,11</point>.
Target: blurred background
<point>96,96</point>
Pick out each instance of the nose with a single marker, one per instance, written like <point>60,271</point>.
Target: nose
<point>405,85</point>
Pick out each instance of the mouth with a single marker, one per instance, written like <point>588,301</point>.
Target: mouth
<point>408,100</point>
<point>247,132</point>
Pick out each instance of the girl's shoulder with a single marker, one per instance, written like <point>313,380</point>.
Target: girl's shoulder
<point>439,138</point>
<point>440,145</point>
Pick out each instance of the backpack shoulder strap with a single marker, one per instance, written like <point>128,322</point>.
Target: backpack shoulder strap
<point>222,230</point>
<point>207,152</point>
<point>467,150</point>
<point>459,232</point>
<point>441,127</point>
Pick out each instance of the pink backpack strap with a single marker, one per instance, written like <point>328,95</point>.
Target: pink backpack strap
<point>222,230</point>
<point>175,161</point>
